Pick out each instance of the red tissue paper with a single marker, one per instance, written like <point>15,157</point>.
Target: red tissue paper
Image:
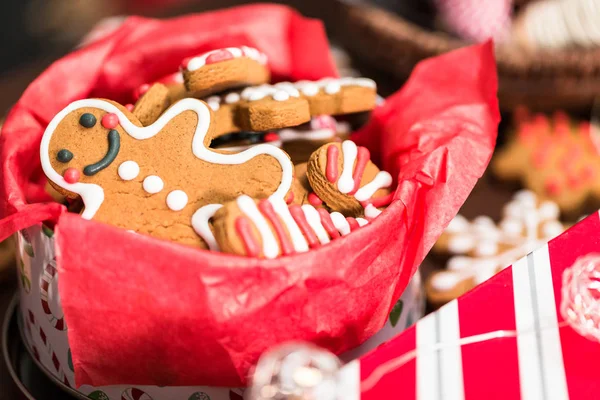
<point>185,316</point>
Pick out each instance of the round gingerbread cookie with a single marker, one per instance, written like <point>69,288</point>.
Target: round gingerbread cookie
<point>343,176</point>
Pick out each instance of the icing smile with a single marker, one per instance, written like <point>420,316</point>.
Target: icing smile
<point>114,144</point>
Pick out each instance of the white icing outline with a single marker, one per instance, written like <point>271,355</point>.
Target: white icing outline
<point>198,62</point>
<point>382,180</point>
<point>295,233</point>
<point>314,221</point>
<point>93,195</point>
<point>345,182</point>
<point>200,223</point>
<point>340,223</point>
<point>248,207</point>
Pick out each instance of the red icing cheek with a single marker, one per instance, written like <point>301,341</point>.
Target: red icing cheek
<point>218,56</point>
<point>110,121</point>
<point>71,175</point>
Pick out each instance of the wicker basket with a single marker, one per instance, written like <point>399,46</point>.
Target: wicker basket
<point>543,81</point>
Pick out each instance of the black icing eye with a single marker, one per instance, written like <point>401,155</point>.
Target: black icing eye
<point>87,120</point>
<point>64,155</point>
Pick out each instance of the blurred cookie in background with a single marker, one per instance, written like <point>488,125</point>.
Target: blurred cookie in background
<point>480,248</point>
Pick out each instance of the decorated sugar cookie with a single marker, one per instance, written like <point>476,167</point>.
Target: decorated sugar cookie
<point>481,248</point>
<point>343,176</point>
<point>269,228</point>
<point>222,69</point>
<point>558,159</point>
<point>154,179</point>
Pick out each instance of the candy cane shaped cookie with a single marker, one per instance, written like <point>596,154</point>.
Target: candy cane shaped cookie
<point>49,294</point>
<point>222,69</point>
<point>153,179</point>
<point>344,178</point>
<point>269,228</point>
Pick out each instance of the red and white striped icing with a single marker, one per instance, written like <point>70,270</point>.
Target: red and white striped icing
<point>287,229</point>
<point>348,181</point>
<point>200,61</point>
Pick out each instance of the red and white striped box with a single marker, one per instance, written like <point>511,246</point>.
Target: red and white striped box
<point>523,348</point>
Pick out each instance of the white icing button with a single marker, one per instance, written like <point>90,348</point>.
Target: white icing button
<point>548,210</point>
<point>232,98</point>
<point>486,248</point>
<point>332,87</point>
<point>512,227</point>
<point>128,170</point>
<point>461,244</point>
<point>551,229</point>
<point>445,280</point>
<point>458,224</point>
<point>153,184</point>
<point>280,95</point>
<point>177,200</point>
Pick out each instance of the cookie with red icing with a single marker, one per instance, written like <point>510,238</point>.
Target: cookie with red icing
<point>557,158</point>
<point>269,228</point>
<point>343,176</point>
<point>152,104</point>
<point>162,180</point>
<point>223,69</point>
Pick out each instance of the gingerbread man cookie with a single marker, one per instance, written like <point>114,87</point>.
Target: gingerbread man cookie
<point>557,159</point>
<point>482,248</point>
<point>152,104</point>
<point>154,179</point>
<point>269,228</point>
<point>344,178</point>
<point>223,69</point>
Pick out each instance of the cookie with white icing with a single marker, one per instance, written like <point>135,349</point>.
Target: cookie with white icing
<point>223,69</point>
<point>339,96</point>
<point>481,248</point>
<point>269,228</point>
<point>343,176</point>
<point>161,180</point>
<point>289,104</point>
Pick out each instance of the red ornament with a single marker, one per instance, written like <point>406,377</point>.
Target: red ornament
<point>110,121</point>
<point>218,56</point>
<point>71,175</point>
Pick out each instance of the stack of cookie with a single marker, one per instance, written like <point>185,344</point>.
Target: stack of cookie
<point>152,167</point>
